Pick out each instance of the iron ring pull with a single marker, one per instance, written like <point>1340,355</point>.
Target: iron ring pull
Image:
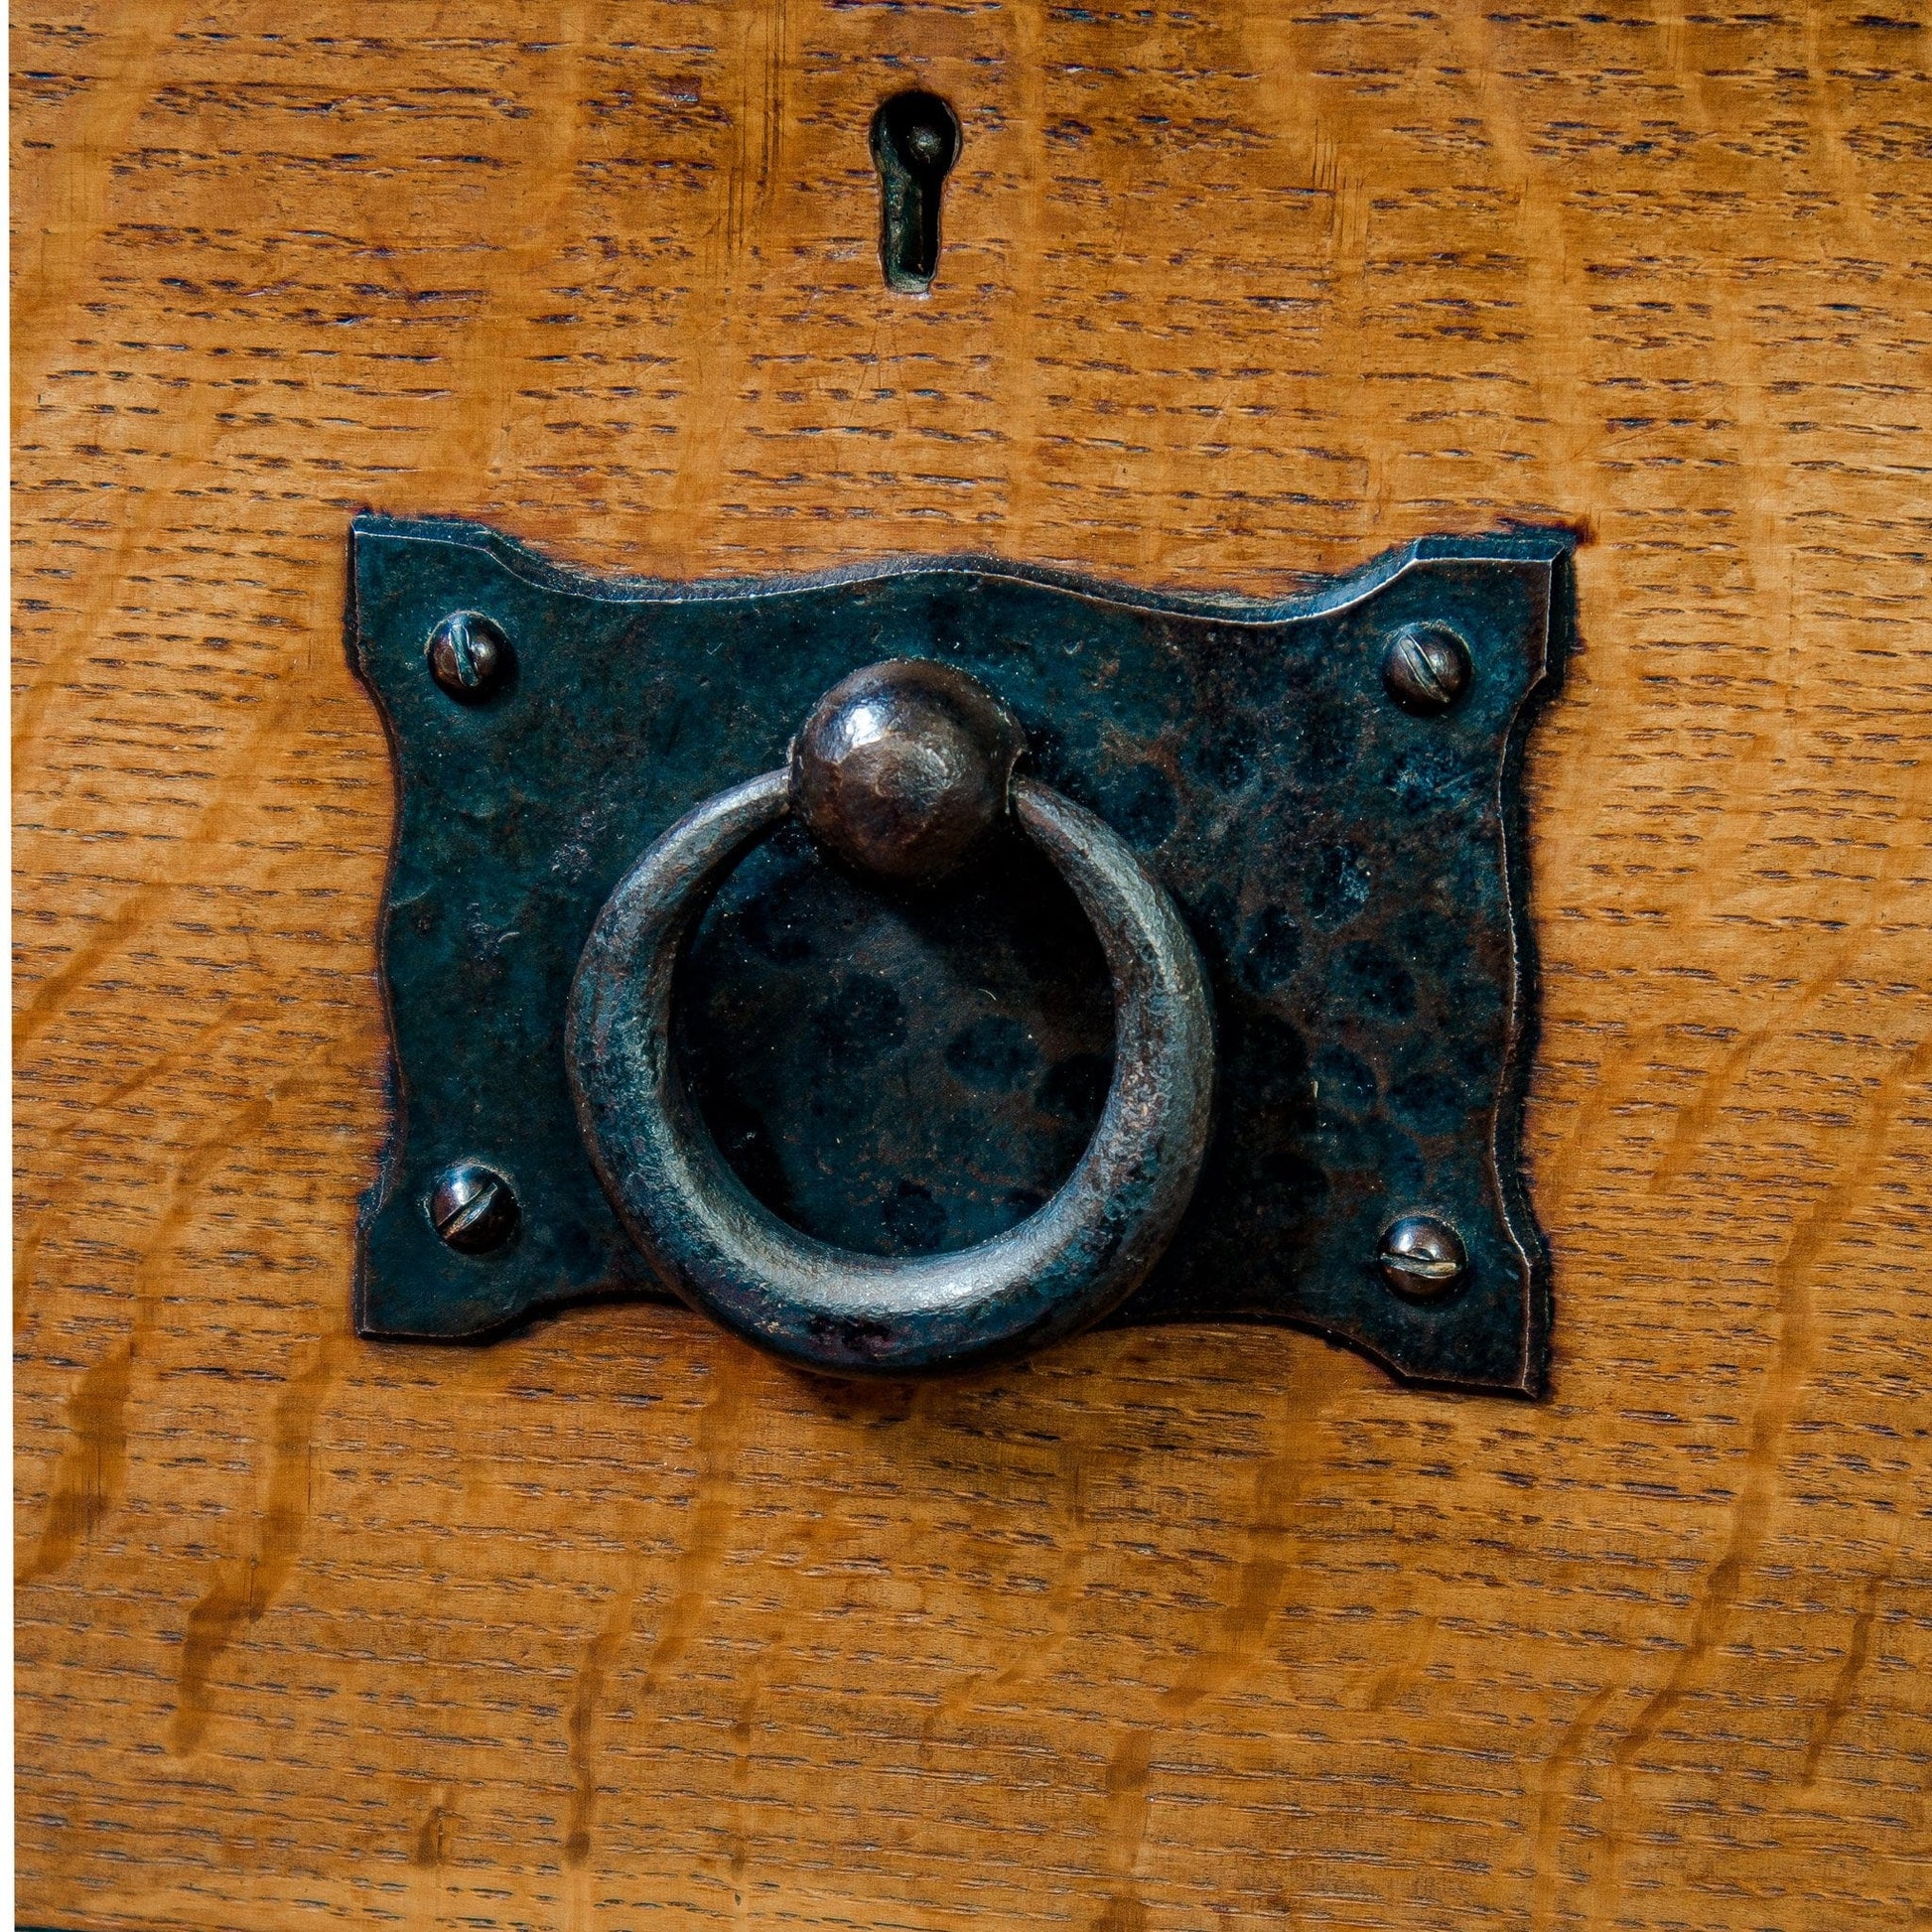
<point>1065,1266</point>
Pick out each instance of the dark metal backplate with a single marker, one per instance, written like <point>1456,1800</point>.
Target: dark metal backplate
<point>905,1075</point>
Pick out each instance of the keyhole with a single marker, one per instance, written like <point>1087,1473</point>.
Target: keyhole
<point>914,142</point>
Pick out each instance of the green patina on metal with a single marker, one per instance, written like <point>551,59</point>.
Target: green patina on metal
<point>913,1072</point>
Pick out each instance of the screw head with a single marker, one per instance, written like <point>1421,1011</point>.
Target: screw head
<point>470,656</point>
<point>473,1207</point>
<point>1422,1256</point>
<point>1426,668</point>
<point>903,767</point>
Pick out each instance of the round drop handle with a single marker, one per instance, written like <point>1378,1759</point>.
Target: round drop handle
<point>900,771</point>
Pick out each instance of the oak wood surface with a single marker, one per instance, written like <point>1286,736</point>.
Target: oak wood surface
<point>615,1625</point>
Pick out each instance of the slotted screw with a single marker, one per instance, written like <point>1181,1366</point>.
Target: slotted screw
<point>1422,1256</point>
<point>1426,668</point>
<point>468,656</point>
<point>473,1207</point>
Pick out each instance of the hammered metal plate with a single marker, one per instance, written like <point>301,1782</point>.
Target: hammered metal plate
<point>911,1073</point>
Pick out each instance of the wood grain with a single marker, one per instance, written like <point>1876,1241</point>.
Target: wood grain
<point>615,1627</point>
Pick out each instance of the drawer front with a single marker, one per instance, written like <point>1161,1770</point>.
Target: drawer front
<point>616,1622</point>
